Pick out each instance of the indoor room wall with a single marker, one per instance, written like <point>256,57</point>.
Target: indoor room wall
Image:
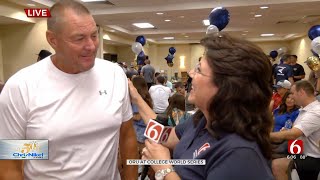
<point>125,54</point>
<point>1,60</point>
<point>21,44</point>
<point>108,48</point>
<point>28,39</point>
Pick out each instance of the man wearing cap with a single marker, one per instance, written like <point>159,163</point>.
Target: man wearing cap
<point>43,54</point>
<point>282,87</point>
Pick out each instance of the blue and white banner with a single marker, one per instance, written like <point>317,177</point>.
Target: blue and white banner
<point>24,149</point>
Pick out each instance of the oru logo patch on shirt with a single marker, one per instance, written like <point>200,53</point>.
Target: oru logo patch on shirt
<point>204,147</point>
<point>24,149</point>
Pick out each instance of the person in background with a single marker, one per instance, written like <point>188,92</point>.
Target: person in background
<point>168,83</point>
<point>43,54</point>
<point>176,109</point>
<point>284,71</point>
<point>140,84</point>
<point>180,88</point>
<point>160,95</point>
<point>282,88</point>
<point>230,128</point>
<point>287,111</point>
<point>305,128</point>
<point>78,102</point>
<point>131,72</point>
<point>147,71</point>
<point>298,70</point>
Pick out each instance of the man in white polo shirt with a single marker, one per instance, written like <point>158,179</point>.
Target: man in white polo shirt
<point>79,103</point>
<point>306,128</point>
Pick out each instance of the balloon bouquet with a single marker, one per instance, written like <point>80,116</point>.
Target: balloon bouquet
<point>278,53</point>
<point>313,61</point>
<point>170,56</point>
<point>137,48</point>
<point>219,19</point>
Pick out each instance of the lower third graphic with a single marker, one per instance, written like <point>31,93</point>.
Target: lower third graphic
<point>24,149</point>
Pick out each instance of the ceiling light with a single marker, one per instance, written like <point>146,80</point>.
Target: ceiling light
<point>31,4</point>
<point>257,15</point>
<point>168,38</point>
<point>181,16</point>
<point>264,7</point>
<point>159,13</point>
<point>266,35</point>
<point>289,36</point>
<point>186,36</point>
<point>143,25</point>
<point>206,22</point>
<point>167,20</point>
<point>93,0</point>
<point>106,37</point>
<point>245,31</point>
<point>243,34</point>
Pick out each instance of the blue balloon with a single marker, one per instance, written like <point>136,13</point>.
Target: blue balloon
<point>141,40</point>
<point>169,58</point>
<point>273,54</point>
<point>314,32</point>
<point>172,50</point>
<point>141,58</point>
<point>219,17</point>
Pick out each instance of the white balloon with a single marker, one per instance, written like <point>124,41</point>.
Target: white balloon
<point>315,45</point>
<point>136,47</point>
<point>281,51</point>
<point>212,29</point>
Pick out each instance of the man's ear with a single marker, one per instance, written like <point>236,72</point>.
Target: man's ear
<point>301,92</point>
<point>52,39</point>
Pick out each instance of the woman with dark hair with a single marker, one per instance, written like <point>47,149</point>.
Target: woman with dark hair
<point>176,109</point>
<point>230,86</point>
<point>287,111</point>
<point>140,84</point>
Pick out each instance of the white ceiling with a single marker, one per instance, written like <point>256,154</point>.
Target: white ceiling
<point>287,19</point>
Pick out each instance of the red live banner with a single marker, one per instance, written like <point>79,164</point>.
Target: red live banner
<point>37,12</point>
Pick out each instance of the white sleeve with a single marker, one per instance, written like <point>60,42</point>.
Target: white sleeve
<point>126,107</point>
<point>310,123</point>
<point>13,110</point>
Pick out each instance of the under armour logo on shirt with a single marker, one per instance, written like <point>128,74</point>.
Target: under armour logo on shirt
<point>204,147</point>
<point>104,92</point>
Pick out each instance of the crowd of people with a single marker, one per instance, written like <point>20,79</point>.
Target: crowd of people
<point>94,112</point>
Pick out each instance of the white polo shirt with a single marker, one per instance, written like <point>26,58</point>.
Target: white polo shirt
<point>308,122</point>
<point>80,115</point>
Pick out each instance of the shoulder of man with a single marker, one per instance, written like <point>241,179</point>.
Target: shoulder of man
<point>104,64</point>
<point>28,74</point>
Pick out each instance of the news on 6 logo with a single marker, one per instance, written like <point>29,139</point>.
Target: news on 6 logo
<point>157,132</point>
<point>295,146</point>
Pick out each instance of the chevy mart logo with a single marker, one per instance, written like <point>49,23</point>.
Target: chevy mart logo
<point>24,149</point>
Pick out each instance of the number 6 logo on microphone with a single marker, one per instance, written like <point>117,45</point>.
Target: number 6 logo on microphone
<point>154,131</point>
<point>295,146</point>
